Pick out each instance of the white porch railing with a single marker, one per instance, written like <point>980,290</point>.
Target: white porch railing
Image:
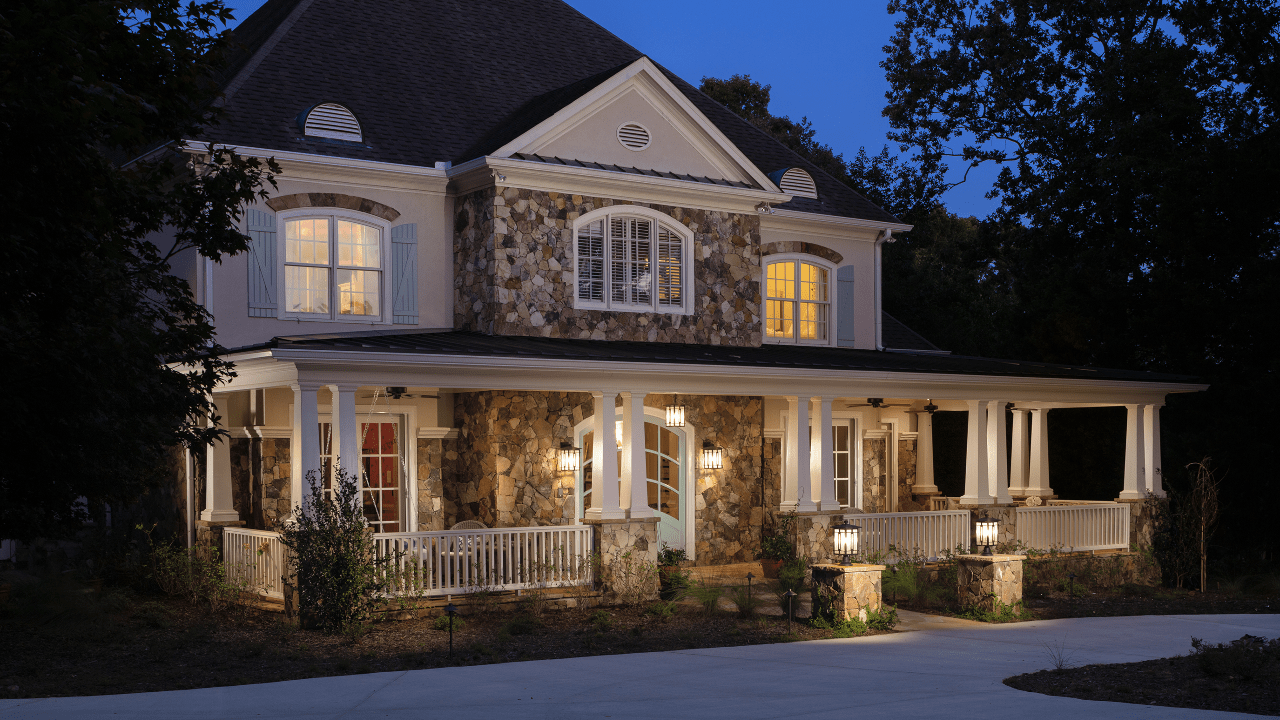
<point>916,533</point>
<point>454,562</point>
<point>255,558</point>
<point>1096,526</point>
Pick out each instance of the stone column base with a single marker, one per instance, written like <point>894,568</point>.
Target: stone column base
<point>985,580</point>
<point>851,590</point>
<point>813,534</point>
<point>628,551</point>
<point>209,532</point>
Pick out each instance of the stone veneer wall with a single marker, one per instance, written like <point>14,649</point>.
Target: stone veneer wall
<point>513,272</point>
<point>875,496</point>
<point>242,477</point>
<point>274,483</point>
<point>430,513</point>
<point>907,476</point>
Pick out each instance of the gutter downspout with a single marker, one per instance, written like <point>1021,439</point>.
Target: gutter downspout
<point>885,236</point>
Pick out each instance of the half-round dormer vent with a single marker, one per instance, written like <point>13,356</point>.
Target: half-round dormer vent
<point>633,136</point>
<point>331,120</point>
<point>794,181</point>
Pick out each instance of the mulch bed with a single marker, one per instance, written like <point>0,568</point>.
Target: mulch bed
<point>1127,600</point>
<point>162,644</point>
<point>1169,682</point>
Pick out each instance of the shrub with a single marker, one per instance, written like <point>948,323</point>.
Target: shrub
<point>521,625</point>
<point>442,623</point>
<point>1249,658</point>
<point>671,557</point>
<point>792,577</point>
<point>748,602</point>
<point>602,620</point>
<point>634,579</point>
<point>778,545</point>
<point>886,618</point>
<point>339,576</point>
<point>707,596</point>
<point>196,575</point>
<point>662,610</point>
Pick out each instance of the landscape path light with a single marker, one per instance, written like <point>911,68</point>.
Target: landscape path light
<point>788,595</point>
<point>450,610</point>
<point>986,533</point>
<point>845,538</point>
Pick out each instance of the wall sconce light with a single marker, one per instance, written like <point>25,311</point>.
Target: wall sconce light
<point>570,457</point>
<point>845,536</point>
<point>675,416</point>
<point>986,533</point>
<point>712,456</point>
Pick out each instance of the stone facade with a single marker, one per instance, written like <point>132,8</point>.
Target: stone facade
<point>787,246</point>
<point>875,475</point>
<point>274,483</point>
<point>814,541</point>
<point>628,552</point>
<point>431,463</point>
<point>986,580</point>
<point>907,476</point>
<point>333,200</point>
<point>851,590</point>
<point>513,272</point>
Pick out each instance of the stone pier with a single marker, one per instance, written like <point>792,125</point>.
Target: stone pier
<point>851,590</point>
<point>985,580</point>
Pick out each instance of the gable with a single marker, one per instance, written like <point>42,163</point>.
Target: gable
<point>681,139</point>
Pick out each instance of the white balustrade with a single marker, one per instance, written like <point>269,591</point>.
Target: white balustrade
<point>927,534</point>
<point>1094,526</point>
<point>455,562</point>
<point>254,558</point>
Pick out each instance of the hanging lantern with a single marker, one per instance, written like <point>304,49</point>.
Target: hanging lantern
<point>845,537</point>
<point>986,529</point>
<point>675,416</point>
<point>712,456</point>
<point>570,457</point>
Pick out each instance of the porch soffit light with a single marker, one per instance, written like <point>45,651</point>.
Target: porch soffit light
<point>675,416</point>
<point>712,456</point>
<point>985,533</point>
<point>845,537</point>
<point>570,457</point>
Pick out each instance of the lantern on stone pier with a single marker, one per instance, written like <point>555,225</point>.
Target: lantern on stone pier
<point>986,533</point>
<point>845,537</point>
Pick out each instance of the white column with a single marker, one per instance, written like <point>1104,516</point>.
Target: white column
<point>1135,455</point>
<point>997,453</point>
<point>789,490</point>
<point>825,463</point>
<point>604,465</point>
<point>635,481</point>
<point>218,503</point>
<point>347,431</point>
<point>1155,477</point>
<point>799,468</point>
<point>977,487</point>
<point>304,448</point>
<point>1038,469</point>
<point>1019,458</point>
<point>924,453</point>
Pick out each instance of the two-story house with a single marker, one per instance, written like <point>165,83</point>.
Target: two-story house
<point>517,273</point>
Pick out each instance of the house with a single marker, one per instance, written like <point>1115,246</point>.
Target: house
<point>506,245</point>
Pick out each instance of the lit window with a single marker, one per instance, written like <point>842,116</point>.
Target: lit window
<point>631,263</point>
<point>332,262</point>
<point>797,302</point>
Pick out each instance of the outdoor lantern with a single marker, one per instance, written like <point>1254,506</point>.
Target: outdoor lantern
<point>712,456</point>
<point>675,416</point>
<point>846,541</point>
<point>986,533</point>
<point>570,457</point>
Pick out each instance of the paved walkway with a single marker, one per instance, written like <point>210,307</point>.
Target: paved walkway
<point>951,672</point>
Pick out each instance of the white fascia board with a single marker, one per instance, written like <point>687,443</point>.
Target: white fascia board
<point>603,92</point>
<point>547,177</point>
<point>573,375</point>
<point>327,168</point>
<point>795,220</point>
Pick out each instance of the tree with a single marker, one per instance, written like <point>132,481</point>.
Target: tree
<point>109,358</point>
<point>1137,143</point>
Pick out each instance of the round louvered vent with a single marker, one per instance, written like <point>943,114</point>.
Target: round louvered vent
<point>633,136</point>
<point>798,182</point>
<point>331,120</point>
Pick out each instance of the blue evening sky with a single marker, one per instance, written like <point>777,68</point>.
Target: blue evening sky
<point>821,57</point>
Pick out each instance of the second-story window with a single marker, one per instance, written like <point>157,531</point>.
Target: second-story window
<point>332,267</point>
<point>797,302</point>
<point>627,262</point>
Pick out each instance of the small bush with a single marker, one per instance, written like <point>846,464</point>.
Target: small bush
<point>662,610</point>
<point>748,602</point>
<point>707,596</point>
<point>886,618</point>
<point>442,623</point>
<point>1249,658</point>
<point>634,579</point>
<point>602,620</point>
<point>521,625</point>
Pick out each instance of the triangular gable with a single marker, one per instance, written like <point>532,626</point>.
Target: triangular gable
<point>683,140</point>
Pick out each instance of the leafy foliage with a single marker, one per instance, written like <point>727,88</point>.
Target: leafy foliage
<point>99,203</point>
<point>1249,658</point>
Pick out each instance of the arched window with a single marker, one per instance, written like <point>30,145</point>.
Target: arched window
<point>797,301</point>
<point>632,260</point>
<point>333,265</point>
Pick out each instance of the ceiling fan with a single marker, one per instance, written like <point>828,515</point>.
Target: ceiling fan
<point>396,393</point>
<point>877,403</point>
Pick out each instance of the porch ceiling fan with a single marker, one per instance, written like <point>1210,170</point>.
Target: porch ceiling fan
<point>876,403</point>
<point>397,392</point>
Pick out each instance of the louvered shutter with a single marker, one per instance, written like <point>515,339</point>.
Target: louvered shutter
<point>261,225</point>
<point>844,306</point>
<point>404,273</point>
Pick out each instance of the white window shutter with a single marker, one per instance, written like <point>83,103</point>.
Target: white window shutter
<point>261,225</point>
<point>404,273</point>
<point>844,306</point>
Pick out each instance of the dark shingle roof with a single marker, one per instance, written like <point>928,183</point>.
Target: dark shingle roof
<point>469,344</point>
<point>630,170</point>
<point>434,80</point>
<point>897,336</point>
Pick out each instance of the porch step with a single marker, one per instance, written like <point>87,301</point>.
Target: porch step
<point>727,575</point>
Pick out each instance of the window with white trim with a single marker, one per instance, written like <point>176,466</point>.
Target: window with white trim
<point>333,267</point>
<point>797,302</point>
<point>632,262</point>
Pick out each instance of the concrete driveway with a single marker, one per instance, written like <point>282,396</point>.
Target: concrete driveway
<point>940,670</point>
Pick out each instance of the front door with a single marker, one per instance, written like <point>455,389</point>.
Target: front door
<point>664,472</point>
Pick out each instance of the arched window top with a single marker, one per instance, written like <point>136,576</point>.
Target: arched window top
<point>798,293</point>
<point>794,181</point>
<point>633,259</point>
<point>333,121</point>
